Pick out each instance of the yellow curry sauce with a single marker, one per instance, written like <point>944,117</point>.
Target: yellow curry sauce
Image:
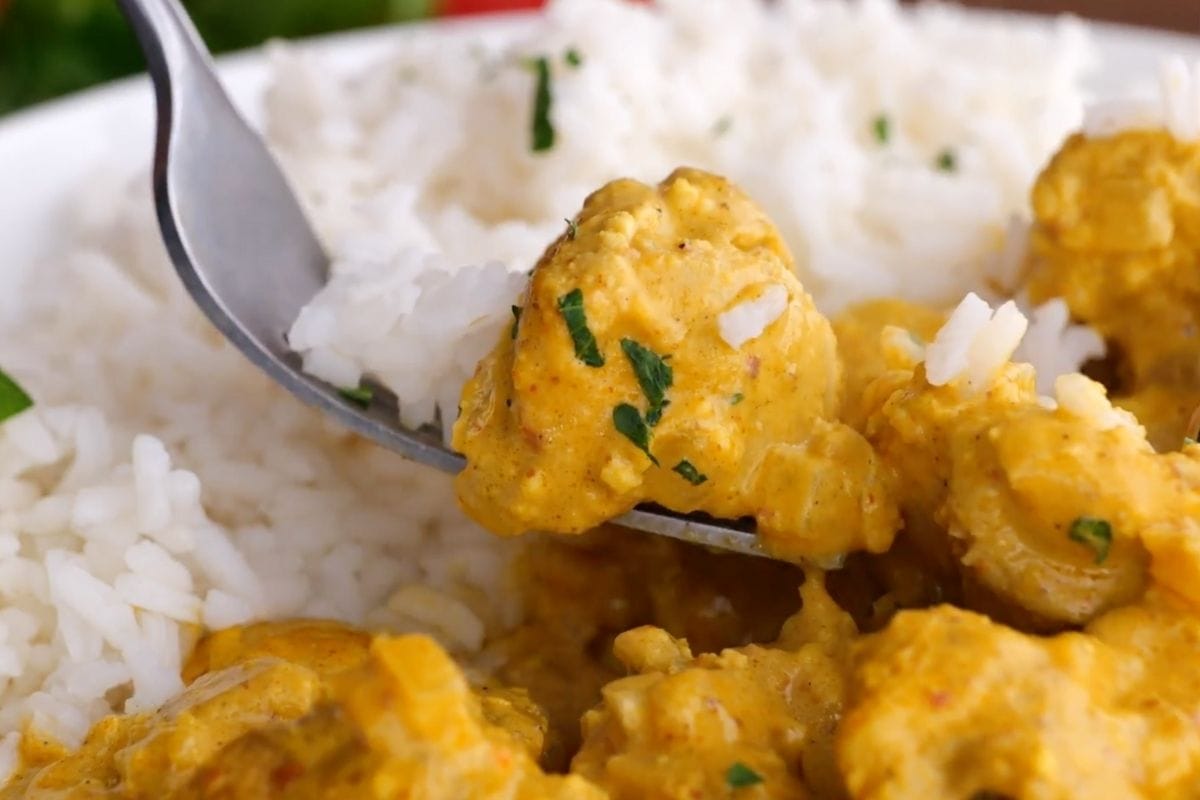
<point>1016,612</point>
<point>621,316</point>
<point>1117,237</point>
<point>314,710</point>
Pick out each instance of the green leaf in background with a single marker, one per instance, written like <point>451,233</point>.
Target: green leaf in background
<point>13,399</point>
<point>51,47</point>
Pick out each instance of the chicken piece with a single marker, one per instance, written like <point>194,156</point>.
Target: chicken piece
<point>877,337</point>
<point>945,703</point>
<point>1117,236</point>
<point>579,592</point>
<point>404,724</point>
<point>323,646</point>
<point>153,755</point>
<point>756,717</point>
<point>1046,515</point>
<point>513,711</point>
<point>667,353</point>
<point>348,716</point>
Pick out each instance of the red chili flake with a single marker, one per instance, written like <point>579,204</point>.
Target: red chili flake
<point>939,699</point>
<point>285,773</point>
<point>209,778</point>
<point>752,364</point>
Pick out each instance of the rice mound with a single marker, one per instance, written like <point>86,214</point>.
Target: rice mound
<point>243,504</point>
<point>162,483</point>
<point>839,118</point>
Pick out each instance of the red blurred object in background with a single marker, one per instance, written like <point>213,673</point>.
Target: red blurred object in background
<point>452,7</point>
<point>1182,15</point>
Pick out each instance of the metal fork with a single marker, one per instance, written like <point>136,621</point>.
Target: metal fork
<point>245,251</point>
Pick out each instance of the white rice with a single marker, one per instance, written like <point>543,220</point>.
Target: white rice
<point>975,343</point>
<point>414,323</point>
<point>1176,107</point>
<point>161,481</point>
<point>242,505</point>
<point>1083,397</point>
<point>793,124</point>
<point>1055,346</point>
<point>747,320</point>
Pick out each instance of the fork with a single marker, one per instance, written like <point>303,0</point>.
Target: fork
<point>248,256</point>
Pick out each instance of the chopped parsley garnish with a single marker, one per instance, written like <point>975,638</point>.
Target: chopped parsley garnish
<point>573,58</point>
<point>722,126</point>
<point>689,472</point>
<point>572,228</point>
<point>516,321</point>
<point>946,161</point>
<point>570,305</point>
<point>13,399</point>
<point>739,776</point>
<point>654,375</point>
<point>736,398</point>
<point>359,395</point>
<point>882,127</point>
<point>1094,533</point>
<point>542,129</point>
<point>628,421</point>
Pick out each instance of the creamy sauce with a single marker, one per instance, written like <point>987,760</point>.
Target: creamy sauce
<point>1018,614</point>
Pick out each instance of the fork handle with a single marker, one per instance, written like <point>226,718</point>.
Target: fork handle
<point>167,36</point>
<point>175,56</point>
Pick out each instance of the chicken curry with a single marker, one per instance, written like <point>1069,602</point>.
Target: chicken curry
<point>999,591</point>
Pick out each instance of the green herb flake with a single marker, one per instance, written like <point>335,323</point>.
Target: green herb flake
<point>628,421</point>
<point>572,228</point>
<point>542,129</point>
<point>881,126</point>
<point>739,776</point>
<point>570,305</point>
<point>516,312</point>
<point>654,375</point>
<point>1094,533</point>
<point>946,161</point>
<point>722,126</point>
<point>359,395</point>
<point>13,399</point>
<point>736,398</point>
<point>1188,440</point>
<point>573,58</point>
<point>689,472</point>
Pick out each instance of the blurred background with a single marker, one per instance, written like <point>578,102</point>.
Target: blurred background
<point>51,47</point>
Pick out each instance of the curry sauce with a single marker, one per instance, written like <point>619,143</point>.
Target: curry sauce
<point>995,594</point>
